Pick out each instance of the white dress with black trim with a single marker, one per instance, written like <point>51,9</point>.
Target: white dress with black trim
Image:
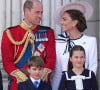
<point>63,46</point>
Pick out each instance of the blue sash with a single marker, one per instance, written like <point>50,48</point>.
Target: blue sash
<point>40,33</point>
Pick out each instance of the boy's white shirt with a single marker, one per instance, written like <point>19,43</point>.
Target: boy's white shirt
<point>33,80</point>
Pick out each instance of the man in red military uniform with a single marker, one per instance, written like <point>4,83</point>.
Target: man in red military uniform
<point>19,43</point>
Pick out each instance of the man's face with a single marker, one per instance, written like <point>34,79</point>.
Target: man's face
<point>35,14</point>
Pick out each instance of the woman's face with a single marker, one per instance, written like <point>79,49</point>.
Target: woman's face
<point>67,23</point>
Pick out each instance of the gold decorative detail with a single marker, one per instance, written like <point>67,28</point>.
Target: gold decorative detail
<point>20,76</point>
<point>16,51</point>
<point>45,73</point>
<point>13,41</point>
<point>22,53</point>
<point>27,27</point>
<point>28,37</point>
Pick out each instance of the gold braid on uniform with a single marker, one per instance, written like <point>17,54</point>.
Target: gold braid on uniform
<point>20,76</point>
<point>45,73</point>
<point>28,37</point>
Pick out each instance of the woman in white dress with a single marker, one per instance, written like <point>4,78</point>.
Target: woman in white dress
<point>72,18</point>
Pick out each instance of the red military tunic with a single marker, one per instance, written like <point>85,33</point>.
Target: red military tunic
<point>11,52</point>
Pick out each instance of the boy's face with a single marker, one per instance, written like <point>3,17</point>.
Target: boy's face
<point>35,72</point>
<point>78,59</point>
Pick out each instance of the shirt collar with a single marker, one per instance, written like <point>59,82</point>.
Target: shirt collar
<point>34,80</point>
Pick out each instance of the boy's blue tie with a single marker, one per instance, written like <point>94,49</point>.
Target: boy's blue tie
<point>36,84</point>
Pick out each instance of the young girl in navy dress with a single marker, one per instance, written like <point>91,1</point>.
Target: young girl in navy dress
<point>78,78</point>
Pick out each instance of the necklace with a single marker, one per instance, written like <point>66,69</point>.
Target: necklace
<point>75,37</point>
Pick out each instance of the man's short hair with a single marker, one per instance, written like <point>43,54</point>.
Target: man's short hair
<point>29,4</point>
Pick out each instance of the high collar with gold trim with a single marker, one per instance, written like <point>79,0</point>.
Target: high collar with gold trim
<point>27,27</point>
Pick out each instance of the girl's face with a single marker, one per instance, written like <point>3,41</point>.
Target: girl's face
<point>67,23</point>
<point>78,59</point>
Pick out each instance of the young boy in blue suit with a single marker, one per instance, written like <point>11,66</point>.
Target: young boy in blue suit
<point>35,69</point>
